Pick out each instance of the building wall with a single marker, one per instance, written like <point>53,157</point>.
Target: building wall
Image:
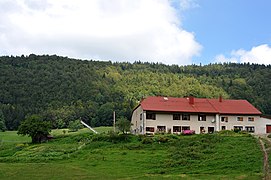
<point>137,127</point>
<point>233,122</point>
<point>193,124</point>
<point>213,122</point>
<point>261,124</point>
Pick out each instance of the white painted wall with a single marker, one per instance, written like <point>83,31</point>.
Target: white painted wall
<point>232,121</point>
<point>167,120</point>
<point>137,123</point>
<point>261,124</point>
<point>212,120</point>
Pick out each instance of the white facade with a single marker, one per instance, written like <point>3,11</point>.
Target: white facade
<point>146,122</point>
<point>262,125</point>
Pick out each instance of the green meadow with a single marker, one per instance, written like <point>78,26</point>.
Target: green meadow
<point>84,155</point>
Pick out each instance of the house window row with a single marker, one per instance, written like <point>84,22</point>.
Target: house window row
<point>240,118</point>
<point>185,117</point>
<point>163,129</point>
<point>247,128</point>
<point>180,128</point>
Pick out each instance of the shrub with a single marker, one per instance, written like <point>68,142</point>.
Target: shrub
<point>236,130</point>
<point>147,140</point>
<point>226,132</point>
<point>75,125</point>
<point>188,132</point>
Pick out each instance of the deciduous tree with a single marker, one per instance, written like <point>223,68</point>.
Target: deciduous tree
<point>36,128</point>
<point>123,125</point>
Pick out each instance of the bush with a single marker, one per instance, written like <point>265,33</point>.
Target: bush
<point>236,130</point>
<point>75,125</point>
<point>147,140</point>
<point>188,132</point>
<point>226,132</point>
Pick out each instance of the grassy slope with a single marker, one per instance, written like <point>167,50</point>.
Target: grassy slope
<point>78,156</point>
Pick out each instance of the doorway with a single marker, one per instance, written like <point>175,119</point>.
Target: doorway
<point>268,128</point>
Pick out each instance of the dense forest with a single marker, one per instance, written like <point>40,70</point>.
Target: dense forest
<point>60,89</point>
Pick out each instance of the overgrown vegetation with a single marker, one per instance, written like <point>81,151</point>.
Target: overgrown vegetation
<point>36,128</point>
<point>62,90</point>
<point>115,156</point>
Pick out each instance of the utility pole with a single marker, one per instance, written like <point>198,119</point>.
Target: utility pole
<point>114,121</point>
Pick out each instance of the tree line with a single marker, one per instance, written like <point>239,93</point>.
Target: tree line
<point>61,90</point>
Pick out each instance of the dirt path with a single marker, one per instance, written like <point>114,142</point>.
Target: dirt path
<point>265,152</point>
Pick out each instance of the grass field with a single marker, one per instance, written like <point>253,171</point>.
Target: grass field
<point>83,155</point>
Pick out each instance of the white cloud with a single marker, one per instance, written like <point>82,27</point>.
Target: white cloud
<point>188,4</point>
<point>119,30</point>
<point>222,59</point>
<point>260,55</point>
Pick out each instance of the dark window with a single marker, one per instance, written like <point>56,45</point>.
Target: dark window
<point>185,128</point>
<point>150,115</point>
<point>161,128</point>
<point>177,128</point>
<point>186,117</point>
<point>202,117</point>
<point>176,117</point>
<point>240,118</point>
<point>224,119</point>
<point>211,130</point>
<point>250,129</point>
<point>223,128</point>
<point>250,118</point>
<point>240,128</point>
<point>150,129</point>
<point>141,116</point>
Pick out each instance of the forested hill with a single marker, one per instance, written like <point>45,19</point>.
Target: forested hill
<point>61,89</point>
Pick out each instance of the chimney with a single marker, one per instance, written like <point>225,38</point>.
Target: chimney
<point>191,100</point>
<point>220,98</point>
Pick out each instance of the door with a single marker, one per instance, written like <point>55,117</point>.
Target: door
<point>268,128</point>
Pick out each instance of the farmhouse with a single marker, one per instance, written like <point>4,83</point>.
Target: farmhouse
<point>174,115</point>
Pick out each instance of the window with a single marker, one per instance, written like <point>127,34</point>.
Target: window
<point>150,129</point>
<point>177,129</point>
<point>224,119</point>
<point>141,116</point>
<point>250,118</point>
<point>240,128</point>
<point>202,117</point>
<point>211,130</point>
<point>161,128</point>
<point>240,118</point>
<point>185,128</point>
<point>250,129</point>
<point>223,127</point>
<point>186,117</point>
<point>202,130</point>
<point>150,115</point>
<point>176,117</point>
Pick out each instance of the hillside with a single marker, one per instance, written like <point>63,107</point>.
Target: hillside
<point>226,155</point>
<point>61,89</point>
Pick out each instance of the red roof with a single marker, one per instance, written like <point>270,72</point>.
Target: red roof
<point>200,105</point>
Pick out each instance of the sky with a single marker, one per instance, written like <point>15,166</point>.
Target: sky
<point>179,32</point>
